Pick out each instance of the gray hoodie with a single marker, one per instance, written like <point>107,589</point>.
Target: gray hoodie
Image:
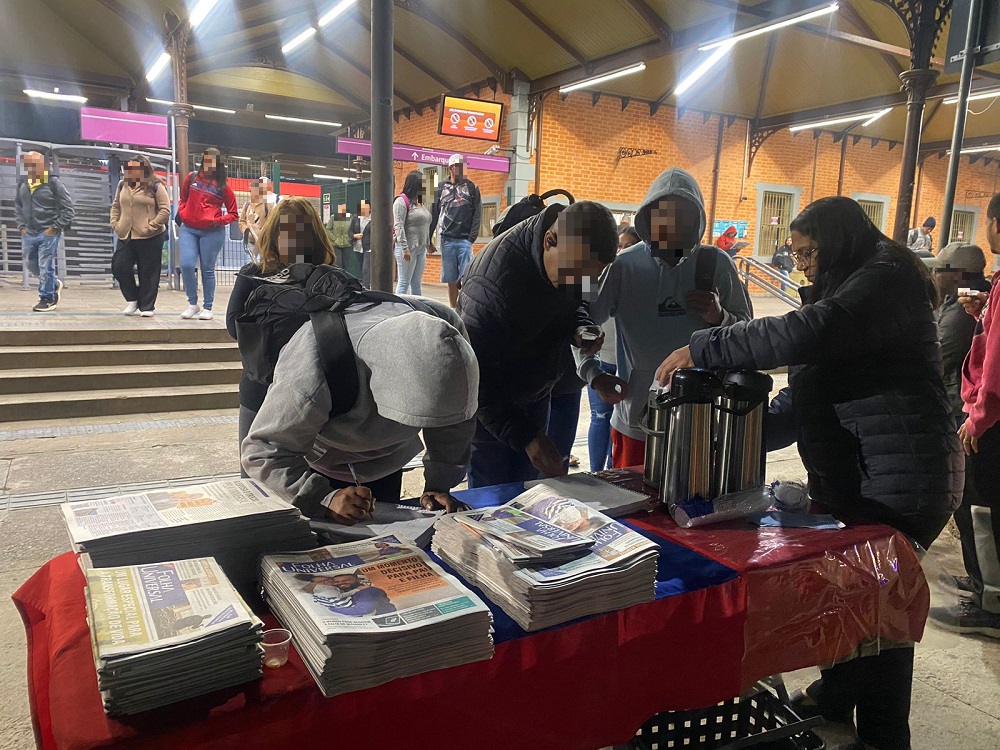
<point>416,370</point>
<point>646,298</point>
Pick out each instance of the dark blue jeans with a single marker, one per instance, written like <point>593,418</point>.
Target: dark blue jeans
<point>599,436</point>
<point>494,462</point>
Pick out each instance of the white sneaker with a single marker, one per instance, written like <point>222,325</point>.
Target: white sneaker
<point>205,315</point>
<point>146,314</point>
<point>190,312</point>
<point>131,309</point>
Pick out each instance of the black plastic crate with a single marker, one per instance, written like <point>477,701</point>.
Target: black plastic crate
<point>759,721</point>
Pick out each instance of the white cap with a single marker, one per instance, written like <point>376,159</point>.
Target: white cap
<point>455,159</point>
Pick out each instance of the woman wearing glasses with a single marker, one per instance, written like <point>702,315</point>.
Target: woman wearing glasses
<point>867,406</point>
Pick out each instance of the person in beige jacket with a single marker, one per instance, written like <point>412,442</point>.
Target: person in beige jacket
<point>253,215</point>
<point>139,216</point>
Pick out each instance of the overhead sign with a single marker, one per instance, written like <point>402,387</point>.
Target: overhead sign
<point>989,35</point>
<point>431,156</point>
<point>115,126</point>
<point>470,118</point>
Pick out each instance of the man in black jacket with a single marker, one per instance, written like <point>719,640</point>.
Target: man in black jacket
<point>521,302</point>
<point>44,210</point>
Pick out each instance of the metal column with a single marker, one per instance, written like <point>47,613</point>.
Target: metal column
<point>964,86</point>
<point>381,113</point>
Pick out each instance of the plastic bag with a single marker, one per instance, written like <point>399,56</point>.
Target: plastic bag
<point>725,508</point>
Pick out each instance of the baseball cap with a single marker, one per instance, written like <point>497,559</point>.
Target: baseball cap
<point>455,159</point>
<point>959,257</point>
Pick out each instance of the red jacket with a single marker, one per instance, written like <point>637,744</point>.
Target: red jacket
<point>201,203</point>
<point>981,373</point>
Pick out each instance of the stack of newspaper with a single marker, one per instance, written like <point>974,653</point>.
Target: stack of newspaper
<point>406,522</point>
<point>597,493</point>
<point>368,612</point>
<point>168,631</point>
<point>234,522</point>
<point>616,570</point>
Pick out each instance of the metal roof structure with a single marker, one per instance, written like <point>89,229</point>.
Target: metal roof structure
<point>845,62</point>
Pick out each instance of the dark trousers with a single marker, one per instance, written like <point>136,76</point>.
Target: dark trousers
<point>564,417</point>
<point>494,462</point>
<point>878,689</point>
<point>366,269</point>
<point>247,416</point>
<point>982,488</point>
<point>146,256</point>
<point>385,490</point>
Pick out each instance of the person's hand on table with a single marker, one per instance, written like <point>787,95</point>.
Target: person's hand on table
<point>705,305</point>
<point>349,505</point>
<point>970,443</point>
<point>589,340</point>
<point>545,457</point>
<point>441,500</point>
<point>974,304</point>
<point>680,359</point>
<point>610,388</point>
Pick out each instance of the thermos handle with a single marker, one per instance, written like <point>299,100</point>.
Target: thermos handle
<point>745,410</point>
<point>644,425</point>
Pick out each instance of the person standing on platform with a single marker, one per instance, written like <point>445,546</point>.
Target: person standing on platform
<point>361,241</point>
<point>140,212</point>
<point>920,240</point>
<point>339,229</point>
<point>980,436</point>
<point>659,292</point>
<point>783,262</point>
<point>43,210</point>
<point>458,210</point>
<point>867,406</point>
<point>411,223</point>
<point>204,195</point>
<point>253,215</point>
<point>522,302</point>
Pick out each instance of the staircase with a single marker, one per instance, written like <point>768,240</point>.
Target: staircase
<point>59,374</point>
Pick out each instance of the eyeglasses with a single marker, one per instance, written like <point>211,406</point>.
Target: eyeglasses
<point>803,255</point>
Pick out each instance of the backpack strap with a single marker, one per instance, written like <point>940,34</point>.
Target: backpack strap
<point>336,353</point>
<point>706,263</point>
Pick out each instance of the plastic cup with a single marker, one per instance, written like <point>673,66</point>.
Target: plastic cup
<point>276,647</point>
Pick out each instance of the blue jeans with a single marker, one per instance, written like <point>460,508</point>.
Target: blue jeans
<point>494,462</point>
<point>456,255</point>
<point>200,247</point>
<point>410,272</point>
<point>599,436</point>
<point>40,253</point>
<point>787,275</point>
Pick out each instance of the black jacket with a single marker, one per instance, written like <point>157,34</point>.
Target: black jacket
<point>251,393</point>
<point>49,206</point>
<point>783,260</point>
<point>865,402</point>
<point>956,329</point>
<point>459,209</point>
<point>520,326</point>
<point>366,235</point>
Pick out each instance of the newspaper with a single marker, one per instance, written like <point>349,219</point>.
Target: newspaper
<point>402,521</point>
<point>161,509</point>
<point>530,536</point>
<point>376,585</point>
<point>143,607</point>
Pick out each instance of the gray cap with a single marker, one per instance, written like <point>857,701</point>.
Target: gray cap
<point>959,256</point>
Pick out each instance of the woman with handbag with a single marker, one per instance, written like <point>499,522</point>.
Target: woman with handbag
<point>139,215</point>
<point>203,229</point>
<point>411,229</point>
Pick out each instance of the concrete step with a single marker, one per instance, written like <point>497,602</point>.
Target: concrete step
<point>66,404</point>
<point>194,332</point>
<point>123,377</point>
<point>109,355</point>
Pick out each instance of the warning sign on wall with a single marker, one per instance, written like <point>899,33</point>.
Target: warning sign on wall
<point>470,118</point>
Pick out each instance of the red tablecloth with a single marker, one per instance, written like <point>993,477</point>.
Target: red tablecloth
<point>802,598</point>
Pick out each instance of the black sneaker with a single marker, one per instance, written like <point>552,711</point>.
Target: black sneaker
<point>45,305</point>
<point>967,617</point>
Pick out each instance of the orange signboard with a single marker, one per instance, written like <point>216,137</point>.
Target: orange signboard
<point>470,118</point>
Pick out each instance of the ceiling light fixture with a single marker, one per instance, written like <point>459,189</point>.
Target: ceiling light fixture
<point>299,40</point>
<point>974,97</point>
<point>331,177</point>
<point>876,116</point>
<point>805,15</point>
<point>158,67</point>
<point>201,11</point>
<point>55,96</point>
<point>594,80</point>
<point>978,149</point>
<point>335,11</point>
<point>867,116</point>
<point>306,120</point>
<point>706,65</point>
<point>203,107</point>
<point>242,158</point>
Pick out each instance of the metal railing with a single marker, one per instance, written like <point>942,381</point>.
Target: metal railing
<point>768,278</point>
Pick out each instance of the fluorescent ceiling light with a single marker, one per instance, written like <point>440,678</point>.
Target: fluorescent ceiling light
<point>335,11</point>
<point>973,97</point>
<point>587,82</point>
<point>876,116</point>
<point>979,149</point>
<point>299,40</point>
<point>867,116</point>
<point>303,119</point>
<point>202,107</point>
<point>201,10</point>
<point>55,95</point>
<point>768,27</point>
<point>243,158</point>
<point>331,177</point>
<point>710,62</point>
<point>317,166</point>
<point>161,62</point>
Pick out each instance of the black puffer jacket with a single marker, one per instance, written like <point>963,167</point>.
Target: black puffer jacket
<point>866,400</point>
<point>520,325</point>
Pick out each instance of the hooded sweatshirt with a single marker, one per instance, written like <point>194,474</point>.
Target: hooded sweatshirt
<point>416,371</point>
<point>646,298</point>
<point>981,373</point>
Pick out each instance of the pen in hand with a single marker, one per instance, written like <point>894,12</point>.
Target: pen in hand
<point>354,474</point>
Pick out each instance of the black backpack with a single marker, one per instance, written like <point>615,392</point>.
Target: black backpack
<point>298,294</point>
<point>525,209</point>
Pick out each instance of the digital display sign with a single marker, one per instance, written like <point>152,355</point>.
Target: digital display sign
<point>470,118</point>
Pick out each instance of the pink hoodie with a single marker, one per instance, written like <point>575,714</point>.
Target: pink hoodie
<point>981,373</point>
